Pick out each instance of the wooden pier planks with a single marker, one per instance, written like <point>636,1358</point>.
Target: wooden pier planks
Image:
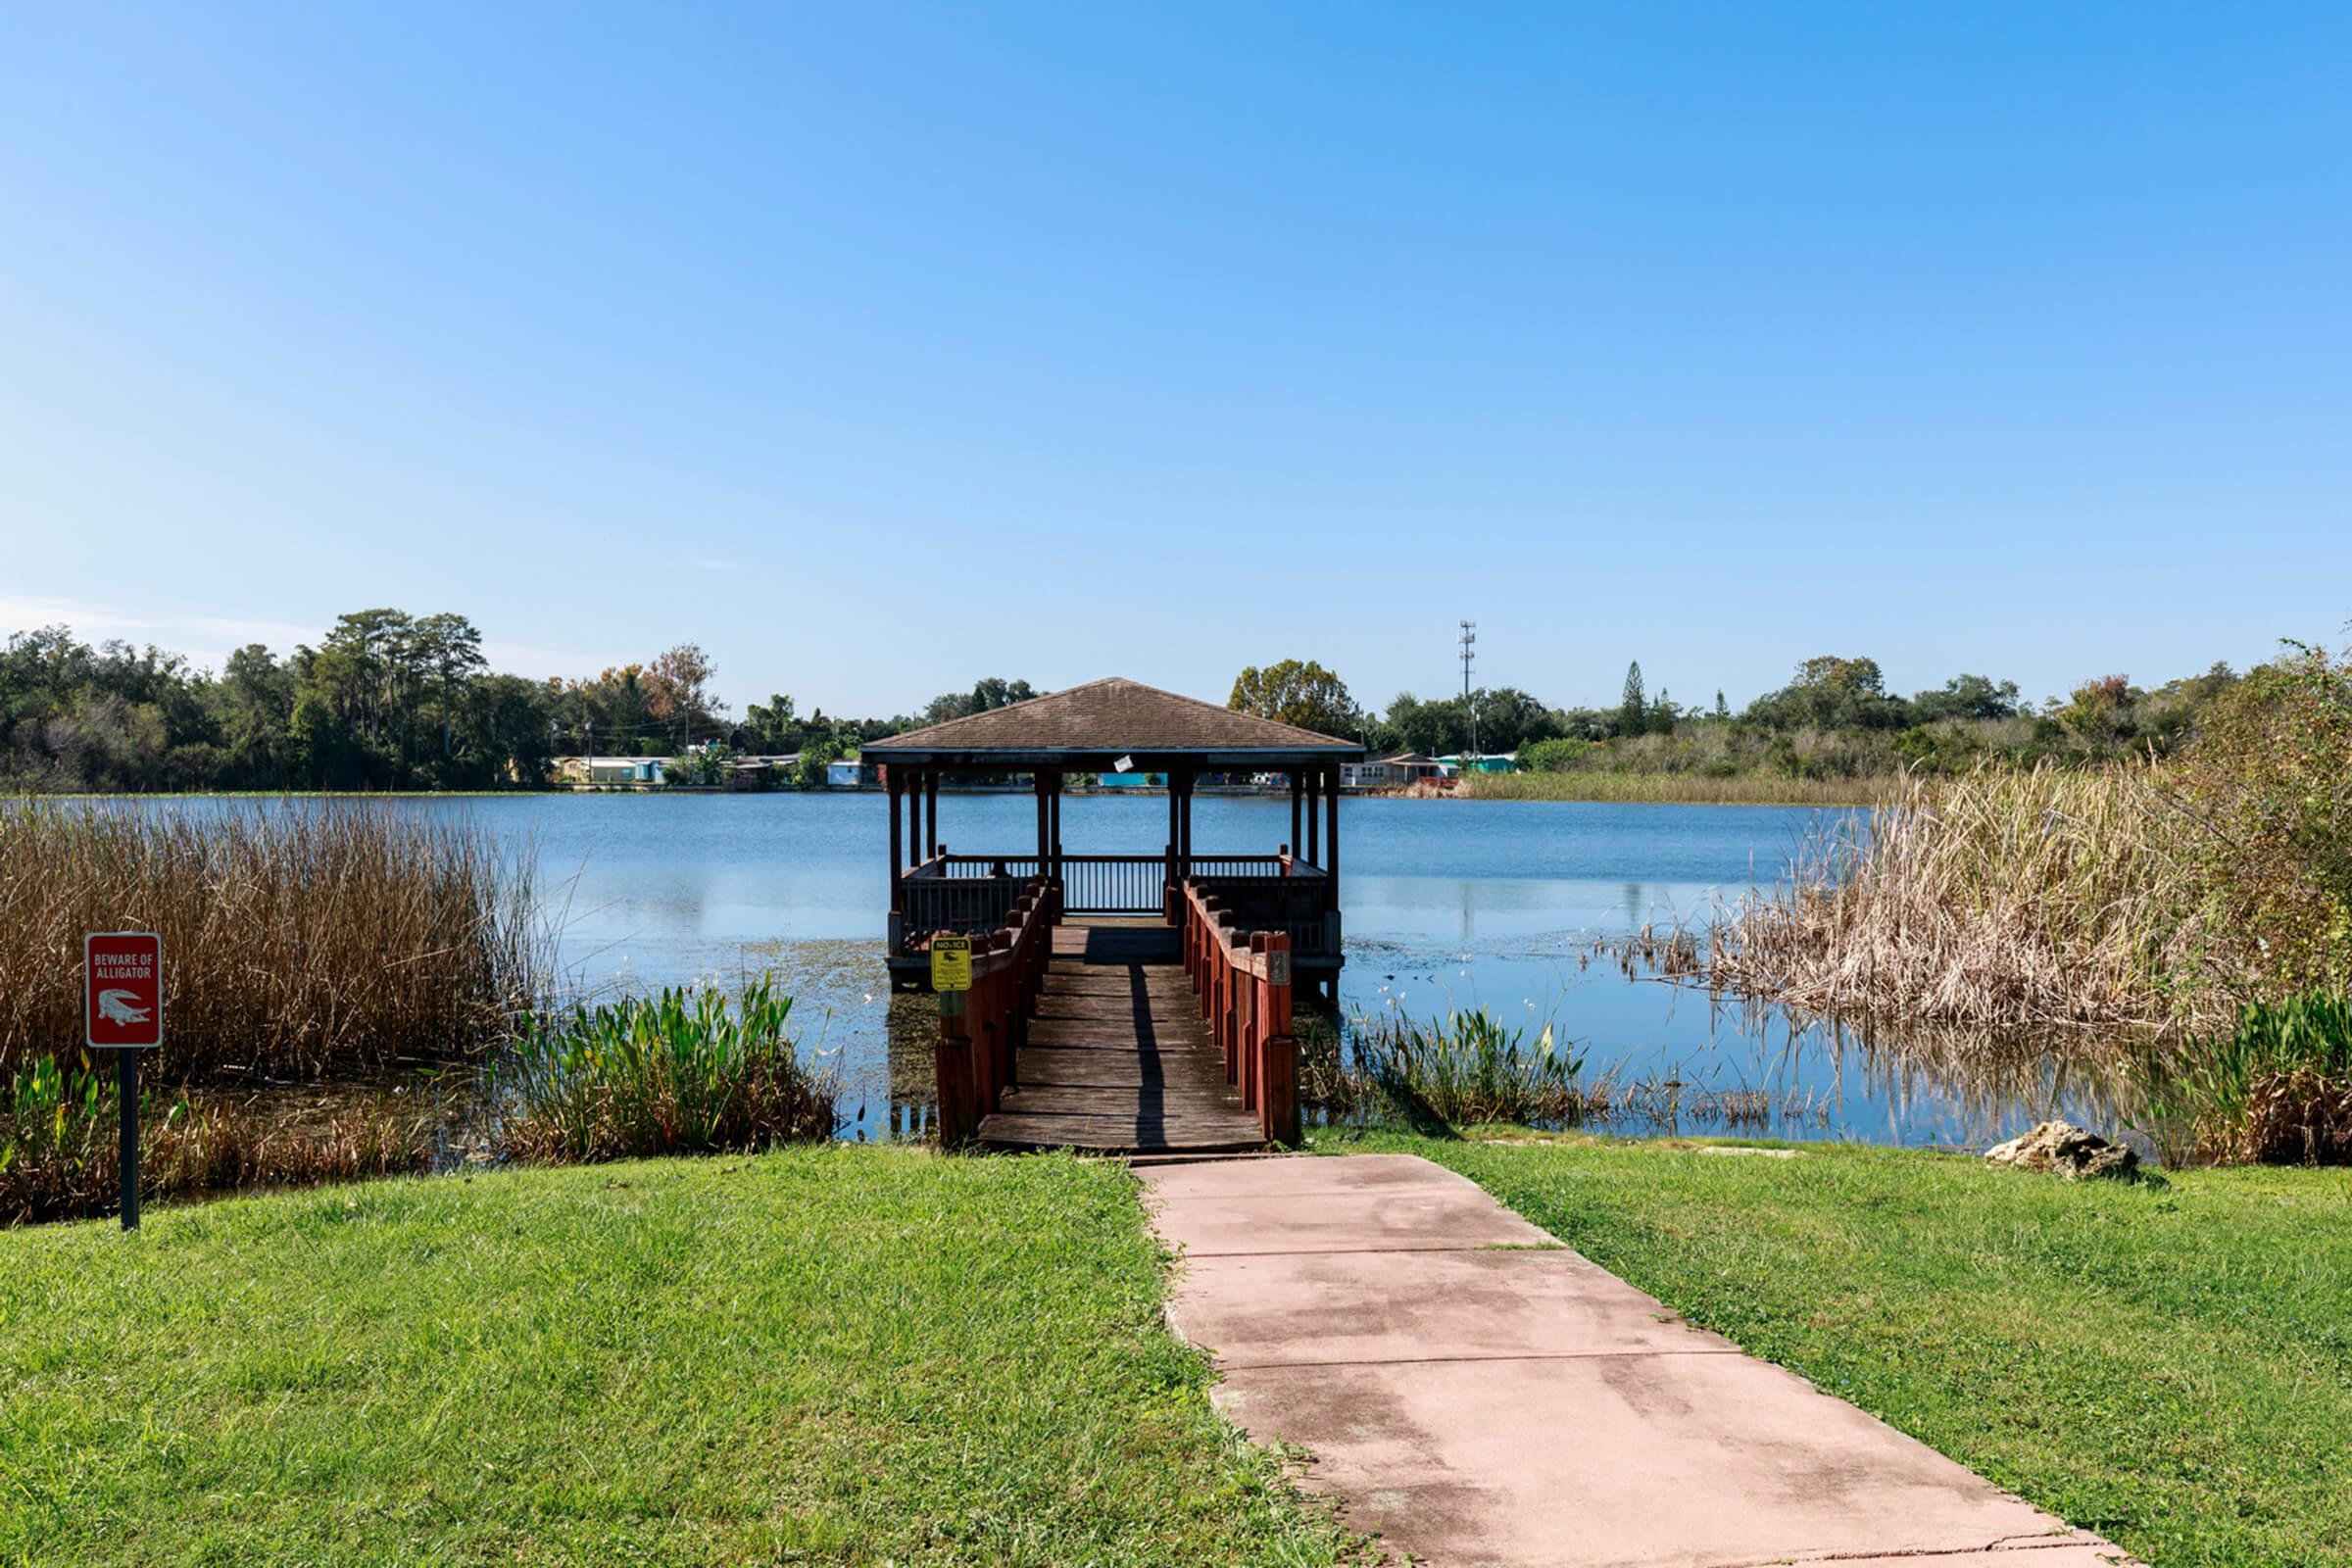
<point>1119,1058</point>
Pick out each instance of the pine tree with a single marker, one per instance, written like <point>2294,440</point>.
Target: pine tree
<point>1633,715</point>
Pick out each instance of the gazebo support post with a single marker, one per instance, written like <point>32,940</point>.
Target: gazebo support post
<point>898,861</point>
<point>1331,831</point>
<point>914,818</point>
<point>1045,855</point>
<point>1183,826</point>
<point>1296,801</point>
<point>931,812</point>
<point>1054,820</point>
<point>1314,830</point>
<point>1331,884</point>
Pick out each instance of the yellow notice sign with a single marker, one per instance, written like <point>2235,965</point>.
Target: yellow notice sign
<point>950,963</point>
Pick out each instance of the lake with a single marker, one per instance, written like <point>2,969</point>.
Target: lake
<point>1447,903</point>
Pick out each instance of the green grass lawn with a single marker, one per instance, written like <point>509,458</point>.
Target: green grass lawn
<point>831,1354</point>
<point>2169,1365</point>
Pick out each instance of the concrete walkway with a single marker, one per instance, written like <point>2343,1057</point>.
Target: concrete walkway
<point>1480,1394</point>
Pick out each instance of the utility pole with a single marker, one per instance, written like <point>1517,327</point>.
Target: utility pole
<point>1469,642</point>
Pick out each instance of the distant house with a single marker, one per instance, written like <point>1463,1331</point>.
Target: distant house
<point>848,773</point>
<point>1483,763</point>
<point>1390,772</point>
<point>761,770</point>
<point>609,770</point>
<point>1128,781</point>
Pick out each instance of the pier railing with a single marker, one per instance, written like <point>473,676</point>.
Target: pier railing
<point>980,1029</point>
<point>1242,978</point>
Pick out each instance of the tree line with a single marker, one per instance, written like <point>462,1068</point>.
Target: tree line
<point>389,700</point>
<point>383,700</point>
<point>1834,718</point>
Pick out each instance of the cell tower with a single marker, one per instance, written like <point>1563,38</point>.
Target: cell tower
<point>1469,641</point>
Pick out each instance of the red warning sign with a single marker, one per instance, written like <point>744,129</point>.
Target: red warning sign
<point>123,995</point>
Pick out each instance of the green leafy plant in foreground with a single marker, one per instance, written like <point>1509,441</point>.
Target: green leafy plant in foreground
<point>2275,1089</point>
<point>1463,1068</point>
<point>683,1073</point>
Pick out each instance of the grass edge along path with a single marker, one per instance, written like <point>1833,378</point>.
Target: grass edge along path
<point>818,1354</point>
<point>2169,1365</point>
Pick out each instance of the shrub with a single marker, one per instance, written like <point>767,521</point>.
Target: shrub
<point>684,1072</point>
<point>2270,782</point>
<point>1559,755</point>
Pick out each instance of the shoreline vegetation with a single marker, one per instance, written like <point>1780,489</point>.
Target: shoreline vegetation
<point>1668,789</point>
<point>2186,918</point>
<point>2205,897</point>
<point>348,987</point>
<point>340,940</point>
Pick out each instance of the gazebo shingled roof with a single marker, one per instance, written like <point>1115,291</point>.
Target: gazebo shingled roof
<point>1092,725</point>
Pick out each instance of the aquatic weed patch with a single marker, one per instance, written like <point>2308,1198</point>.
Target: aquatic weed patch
<point>681,1072</point>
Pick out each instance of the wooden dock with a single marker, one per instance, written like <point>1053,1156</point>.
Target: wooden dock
<point>1119,1057</point>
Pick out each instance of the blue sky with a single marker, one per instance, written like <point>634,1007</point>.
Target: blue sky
<point>877,349</point>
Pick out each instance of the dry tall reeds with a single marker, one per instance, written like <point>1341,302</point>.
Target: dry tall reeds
<point>300,938</point>
<point>2158,893</point>
<point>2003,897</point>
<point>1683,788</point>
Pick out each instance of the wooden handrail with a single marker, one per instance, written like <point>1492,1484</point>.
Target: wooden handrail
<point>1242,979</point>
<point>978,1039</point>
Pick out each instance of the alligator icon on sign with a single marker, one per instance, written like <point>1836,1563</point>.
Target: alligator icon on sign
<point>120,1007</point>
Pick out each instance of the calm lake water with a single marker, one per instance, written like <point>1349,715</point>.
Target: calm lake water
<point>1448,905</point>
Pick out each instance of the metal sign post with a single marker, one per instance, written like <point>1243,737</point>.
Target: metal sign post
<point>122,1012</point>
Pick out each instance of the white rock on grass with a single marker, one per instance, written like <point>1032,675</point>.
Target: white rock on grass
<point>2066,1150</point>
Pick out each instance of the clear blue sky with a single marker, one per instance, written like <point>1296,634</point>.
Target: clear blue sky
<point>879,349</point>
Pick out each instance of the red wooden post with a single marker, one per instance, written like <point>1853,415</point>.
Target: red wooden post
<point>957,1121</point>
<point>1278,1100</point>
<point>987,1002</point>
<point>1253,1030</point>
<point>1228,1008</point>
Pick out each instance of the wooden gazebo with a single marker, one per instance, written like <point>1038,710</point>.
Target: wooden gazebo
<point>1082,1031</point>
<point>1102,727</point>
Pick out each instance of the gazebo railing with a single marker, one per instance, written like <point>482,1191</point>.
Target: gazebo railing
<point>963,892</point>
<point>1299,905</point>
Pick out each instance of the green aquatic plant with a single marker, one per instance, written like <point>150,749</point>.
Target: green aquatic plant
<point>1470,1066</point>
<point>682,1072</point>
